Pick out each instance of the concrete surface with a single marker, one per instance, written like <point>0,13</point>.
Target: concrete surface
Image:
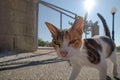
<point>42,64</point>
<point>18,25</point>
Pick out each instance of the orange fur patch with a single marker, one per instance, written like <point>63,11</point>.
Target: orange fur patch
<point>70,36</point>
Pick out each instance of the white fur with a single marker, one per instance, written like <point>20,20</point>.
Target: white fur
<point>78,59</point>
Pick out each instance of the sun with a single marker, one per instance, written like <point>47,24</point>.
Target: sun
<point>89,4</point>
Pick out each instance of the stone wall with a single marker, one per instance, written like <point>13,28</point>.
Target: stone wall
<point>18,25</point>
<point>95,29</point>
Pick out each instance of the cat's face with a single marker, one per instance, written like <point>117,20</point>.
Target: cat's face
<point>67,42</point>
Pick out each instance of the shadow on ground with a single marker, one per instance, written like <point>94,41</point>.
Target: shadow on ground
<point>32,63</point>
<point>27,57</point>
<point>15,63</point>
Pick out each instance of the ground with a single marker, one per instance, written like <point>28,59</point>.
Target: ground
<point>42,64</point>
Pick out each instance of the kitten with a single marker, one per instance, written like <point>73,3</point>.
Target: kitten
<point>92,52</point>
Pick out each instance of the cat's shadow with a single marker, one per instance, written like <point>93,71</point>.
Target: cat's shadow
<point>116,78</point>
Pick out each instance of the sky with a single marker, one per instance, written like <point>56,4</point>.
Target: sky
<point>78,6</point>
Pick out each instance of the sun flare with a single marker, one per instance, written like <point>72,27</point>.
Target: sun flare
<point>89,4</point>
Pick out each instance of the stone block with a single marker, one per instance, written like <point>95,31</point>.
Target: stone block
<point>18,28</point>
<point>6,28</point>
<point>31,6</point>
<point>25,43</point>
<point>19,5</point>
<point>30,30</point>
<point>5,14</point>
<point>6,42</point>
<point>5,3</point>
<point>95,30</point>
<point>18,25</point>
<point>20,17</point>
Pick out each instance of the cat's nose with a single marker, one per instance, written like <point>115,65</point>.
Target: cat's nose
<point>63,53</point>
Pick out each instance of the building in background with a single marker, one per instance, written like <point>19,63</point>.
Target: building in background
<point>18,25</point>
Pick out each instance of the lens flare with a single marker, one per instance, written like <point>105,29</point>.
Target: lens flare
<point>89,4</point>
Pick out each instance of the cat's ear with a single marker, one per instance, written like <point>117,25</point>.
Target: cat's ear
<point>53,30</point>
<point>78,25</point>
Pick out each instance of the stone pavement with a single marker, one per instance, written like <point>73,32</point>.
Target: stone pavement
<point>42,64</point>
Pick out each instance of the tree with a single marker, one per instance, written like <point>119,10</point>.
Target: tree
<point>42,43</point>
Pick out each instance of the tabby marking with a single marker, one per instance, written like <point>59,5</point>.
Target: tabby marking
<point>84,52</point>
<point>93,49</point>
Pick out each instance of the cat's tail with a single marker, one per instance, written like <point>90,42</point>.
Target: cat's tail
<point>106,29</point>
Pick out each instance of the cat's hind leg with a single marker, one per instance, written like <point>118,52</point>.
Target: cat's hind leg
<point>113,59</point>
<point>102,68</point>
<point>102,71</point>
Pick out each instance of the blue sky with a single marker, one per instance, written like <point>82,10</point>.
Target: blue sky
<point>77,6</point>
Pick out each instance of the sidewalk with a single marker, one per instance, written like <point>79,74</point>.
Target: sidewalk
<point>42,64</point>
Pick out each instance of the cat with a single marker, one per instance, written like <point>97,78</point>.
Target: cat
<point>92,52</point>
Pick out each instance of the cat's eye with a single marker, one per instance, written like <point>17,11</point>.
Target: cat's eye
<point>73,41</point>
<point>57,42</point>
